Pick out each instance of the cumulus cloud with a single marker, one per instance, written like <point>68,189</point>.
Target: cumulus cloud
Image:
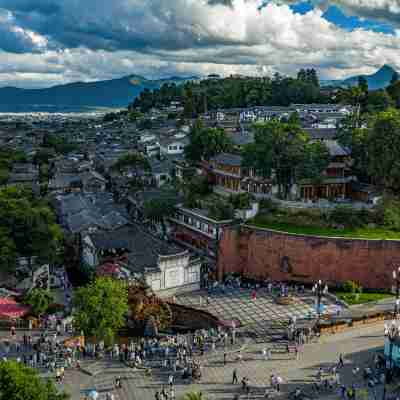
<point>55,41</point>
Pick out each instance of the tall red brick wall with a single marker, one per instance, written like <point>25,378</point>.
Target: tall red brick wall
<point>262,253</point>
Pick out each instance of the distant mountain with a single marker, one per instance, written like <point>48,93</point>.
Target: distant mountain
<point>80,96</point>
<point>379,80</point>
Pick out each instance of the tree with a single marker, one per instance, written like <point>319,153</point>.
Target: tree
<point>363,84</point>
<point>395,78</point>
<point>18,382</point>
<point>101,308</point>
<point>315,160</point>
<point>159,210</point>
<point>220,210</point>
<point>206,143</point>
<point>39,300</point>
<point>29,224</point>
<point>277,152</point>
<point>378,100</point>
<point>383,147</point>
<point>8,251</point>
<point>131,160</point>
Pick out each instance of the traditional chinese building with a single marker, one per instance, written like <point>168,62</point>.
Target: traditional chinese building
<point>229,176</point>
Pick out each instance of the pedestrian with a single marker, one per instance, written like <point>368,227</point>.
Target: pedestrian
<point>279,381</point>
<point>235,380</point>
<point>296,349</point>
<point>244,383</point>
<point>341,362</point>
<point>171,380</point>
<point>224,358</point>
<point>343,392</point>
<point>272,381</point>
<point>264,354</point>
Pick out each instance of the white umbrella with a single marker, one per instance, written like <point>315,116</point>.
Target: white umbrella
<point>93,394</point>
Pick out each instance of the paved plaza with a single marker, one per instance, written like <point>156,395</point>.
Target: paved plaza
<point>358,346</point>
<point>262,317</point>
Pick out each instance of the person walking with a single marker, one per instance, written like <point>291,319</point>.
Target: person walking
<point>224,358</point>
<point>264,354</point>
<point>279,382</point>
<point>341,362</point>
<point>235,379</point>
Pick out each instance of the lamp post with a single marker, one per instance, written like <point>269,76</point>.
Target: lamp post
<point>319,289</point>
<point>396,278</point>
<point>392,334</point>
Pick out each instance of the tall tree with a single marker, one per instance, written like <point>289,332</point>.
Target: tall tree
<point>18,382</point>
<point>277,151</point>
<point>30,225</point>
<point>315,160</point>
<point>206,143</point>
<point>39,300</point>
<point>101,308</point>
<point>383,146</point>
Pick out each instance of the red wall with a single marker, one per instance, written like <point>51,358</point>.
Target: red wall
<point>261,253</point>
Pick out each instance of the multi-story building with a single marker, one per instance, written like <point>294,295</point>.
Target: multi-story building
<point>230,177</point>
<point>195,229</point>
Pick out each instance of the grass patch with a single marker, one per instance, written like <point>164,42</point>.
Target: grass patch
<point>363,298</point>
<point>272,222</point>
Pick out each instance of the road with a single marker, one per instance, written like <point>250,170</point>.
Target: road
<point>357,345</point>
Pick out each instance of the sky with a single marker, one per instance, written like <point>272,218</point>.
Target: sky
<point>48,42</point>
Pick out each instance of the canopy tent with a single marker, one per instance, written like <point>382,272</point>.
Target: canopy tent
<point>10,309</point>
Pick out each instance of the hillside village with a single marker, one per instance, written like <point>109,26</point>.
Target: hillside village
<point>131,202</point>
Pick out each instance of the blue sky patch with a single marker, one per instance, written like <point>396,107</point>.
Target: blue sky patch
<point>335,15</point>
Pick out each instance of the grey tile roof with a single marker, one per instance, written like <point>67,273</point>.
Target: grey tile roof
<point>324,134</point>
<point>228,159</point>
<point>79,212</point>
<point>143,249</point>
<point>335,149</point>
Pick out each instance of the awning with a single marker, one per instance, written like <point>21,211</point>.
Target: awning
<point>10,309</point>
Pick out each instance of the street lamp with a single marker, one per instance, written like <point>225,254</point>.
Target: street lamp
<point>396,278</point>
<point>319,289</point>
<point>392,334</point>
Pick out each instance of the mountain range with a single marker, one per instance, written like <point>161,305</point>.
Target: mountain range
<point>379,80</point>
<point>118,93</point>
<point>80,96</point>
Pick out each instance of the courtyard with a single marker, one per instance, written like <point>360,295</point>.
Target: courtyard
<point>262,317</point>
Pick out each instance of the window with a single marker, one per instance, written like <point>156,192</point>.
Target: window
<point>172,278</point>
<point>192,275</point>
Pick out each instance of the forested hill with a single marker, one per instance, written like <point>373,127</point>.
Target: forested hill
<point>231,92</point>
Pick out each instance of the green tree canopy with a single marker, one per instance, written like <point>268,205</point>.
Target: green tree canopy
<point>133,160</point>
<point>39,300</point>
<point>315,160</point>
<point>101,308</point>
<point>280,150</point>
<point>206,143</point>
<point>28,226</point>
<point>383,147</point>
<point>211,94</point>
<point>18,382</point>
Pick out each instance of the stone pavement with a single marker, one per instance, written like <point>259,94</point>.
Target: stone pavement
<point>358,346</point>
<point>263,317</point>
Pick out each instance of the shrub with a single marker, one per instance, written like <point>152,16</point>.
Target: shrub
<point>351,287</point>
<point>391,214</point>
<point>268,205</point>
<point>345,216</point>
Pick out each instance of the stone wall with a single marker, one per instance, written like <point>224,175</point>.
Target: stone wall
<point>263,253</point>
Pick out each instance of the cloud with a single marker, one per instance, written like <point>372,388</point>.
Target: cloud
<point>16,38</point>
<point>57,41</point>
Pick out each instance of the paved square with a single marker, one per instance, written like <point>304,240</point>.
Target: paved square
<point>262,316</point>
